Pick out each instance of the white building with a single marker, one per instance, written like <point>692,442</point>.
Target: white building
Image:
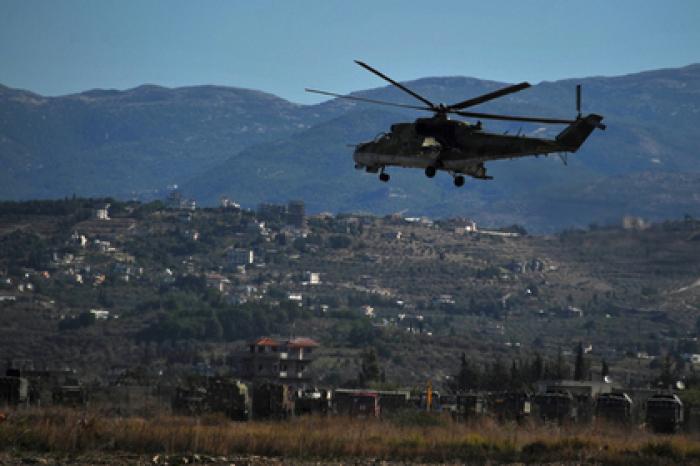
<point>102,212</point>
<point>312,278</point>
<point>100,314</point>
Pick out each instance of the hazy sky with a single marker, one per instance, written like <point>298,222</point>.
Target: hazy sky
<point>56,47</point>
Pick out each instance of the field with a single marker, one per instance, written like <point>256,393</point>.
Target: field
<point>70,436</point>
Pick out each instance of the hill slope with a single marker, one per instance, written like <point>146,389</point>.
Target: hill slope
<point>253,146</point>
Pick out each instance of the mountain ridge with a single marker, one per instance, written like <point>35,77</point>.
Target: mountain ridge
<point>255,146</point>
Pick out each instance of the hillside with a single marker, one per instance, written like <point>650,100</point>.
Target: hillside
<point>255,147</point>
<point>133,142</point>
<point>176,297</point>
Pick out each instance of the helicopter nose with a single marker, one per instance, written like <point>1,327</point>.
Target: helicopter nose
<point>362,158</point>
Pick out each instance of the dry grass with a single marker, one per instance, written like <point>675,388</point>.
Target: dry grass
<point>438,439</point>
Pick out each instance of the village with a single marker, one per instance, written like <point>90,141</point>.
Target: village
<point>157,305</point>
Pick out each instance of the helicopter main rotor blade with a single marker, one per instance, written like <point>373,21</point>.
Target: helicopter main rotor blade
<point>489,116</point>
<point>372,101</point>
<point>489,96</point>
<point>400,86</point>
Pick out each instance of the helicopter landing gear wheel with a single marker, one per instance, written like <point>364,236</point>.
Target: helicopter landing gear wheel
<point>459,180</point>
<point>430,171</point>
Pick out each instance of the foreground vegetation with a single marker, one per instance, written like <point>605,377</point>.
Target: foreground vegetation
<point>411,437</point>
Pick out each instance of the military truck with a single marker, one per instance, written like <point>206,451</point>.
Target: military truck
<point>556,406</point>
<point>189,401</point>
<point>614,407</point>
<point>357,403</point>
<point>201,395</point>
<point>394,400</point>
<point>272,401</point>
<point>471,406</point>
<point>14,390</point>
<point>510,406</point>
<point>664,412</point>
<point>70,395</point>
<point>228,396</point>
<point>312,401</point>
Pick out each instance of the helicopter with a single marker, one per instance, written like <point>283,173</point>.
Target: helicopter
<point>458,147</point>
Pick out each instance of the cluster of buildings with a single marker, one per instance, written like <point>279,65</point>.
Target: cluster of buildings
<point>293,214</point>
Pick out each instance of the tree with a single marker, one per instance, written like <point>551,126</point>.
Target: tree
<point>516,380</point>
<point>580,364</point>
<point>668,372</point>
<point>536,368</point>
<point>468,376</point>
<point>370,370</point>
<point>604,370</point>
<point>560,369</point>
<point>498,376</point>
<point>213,329</point>
<point>589,326</point>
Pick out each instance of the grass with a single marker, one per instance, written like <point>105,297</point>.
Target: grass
<point>68,432</point>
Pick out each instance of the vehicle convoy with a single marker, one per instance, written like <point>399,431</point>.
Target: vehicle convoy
<point>457,147</point>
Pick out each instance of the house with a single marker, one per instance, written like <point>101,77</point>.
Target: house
<point>174,198</point>
<point>104,246</point>
<point>444,300</point>
<point>296,214</point>
<point>285,361</point>
<point>692,358</point>
<point>218,282</point>
<point>184,216</point>
<point>102,212</point>
<point>368,311</point>
<point>271,212</point>
<point>240,257</point>
<point>312,278</point>
<point>412,323</point>
<point>100,314</point>
<point>634,223</point>
<point>368,281</point>
<point>79,239</point>
<point>99,279</point>
<point>227,203</point>
<point>392,235</point>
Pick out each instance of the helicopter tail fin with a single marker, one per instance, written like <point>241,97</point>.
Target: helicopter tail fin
<point>573,135</point>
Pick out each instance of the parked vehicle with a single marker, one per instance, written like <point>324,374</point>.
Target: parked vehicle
<point>614,407</point>
<point>664,412</point>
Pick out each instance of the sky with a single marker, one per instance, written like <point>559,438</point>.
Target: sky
<point>56,47</point>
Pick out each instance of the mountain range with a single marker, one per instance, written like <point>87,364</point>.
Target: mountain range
<point>255,147</point>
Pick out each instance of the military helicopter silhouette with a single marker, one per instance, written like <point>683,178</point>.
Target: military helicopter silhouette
<point>457,147</point>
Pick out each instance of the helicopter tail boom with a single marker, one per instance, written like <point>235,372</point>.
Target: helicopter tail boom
<point>576,133</point>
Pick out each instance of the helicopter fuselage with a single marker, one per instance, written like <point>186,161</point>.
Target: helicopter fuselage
<point>458,147</point>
